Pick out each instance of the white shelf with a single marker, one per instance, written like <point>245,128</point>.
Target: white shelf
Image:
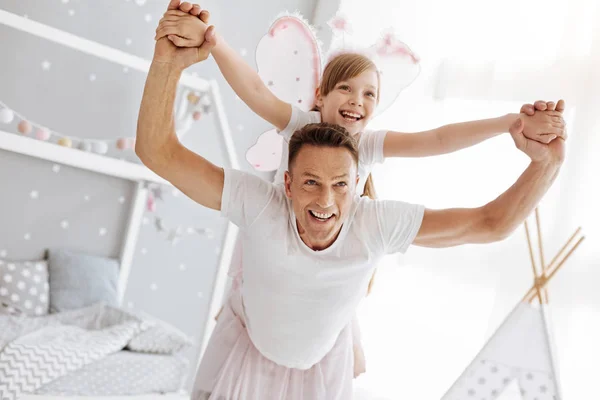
<point>91,47</point>
<point>77,158</point>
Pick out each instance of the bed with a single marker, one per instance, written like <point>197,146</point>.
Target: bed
<point>88,349</point>
<point>100,350</point>
<point>124,373</point>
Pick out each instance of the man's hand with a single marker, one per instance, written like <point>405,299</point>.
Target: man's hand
<point>167,52</point>
<point>183,29</point>
<point>553,152</point>
<point>185,26</point>
<point>544,121</point>
<point>543,126</point>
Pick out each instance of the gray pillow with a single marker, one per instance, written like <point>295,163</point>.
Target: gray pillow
<point>23,287</point>
<point>79,280</point>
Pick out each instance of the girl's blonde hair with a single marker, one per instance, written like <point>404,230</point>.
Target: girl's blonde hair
<point>341,68</point>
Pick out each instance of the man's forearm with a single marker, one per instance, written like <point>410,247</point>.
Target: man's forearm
<point>512,207</point>
<point>155,127</point>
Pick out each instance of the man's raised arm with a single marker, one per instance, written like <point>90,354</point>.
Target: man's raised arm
<point>499,218</point>
<point>157,144</point>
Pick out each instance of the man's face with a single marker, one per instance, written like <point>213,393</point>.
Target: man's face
<point>321,185</point>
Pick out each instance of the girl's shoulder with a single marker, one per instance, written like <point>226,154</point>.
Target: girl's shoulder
<point>302,115</point>
<point>370,135</point>
<point>370,146</point>
<point>298,119</point>
<point>312,117</point>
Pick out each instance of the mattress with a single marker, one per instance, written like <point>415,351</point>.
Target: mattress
<point>123,373</point>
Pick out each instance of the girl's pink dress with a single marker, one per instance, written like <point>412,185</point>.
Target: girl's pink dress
<point>233,369</point>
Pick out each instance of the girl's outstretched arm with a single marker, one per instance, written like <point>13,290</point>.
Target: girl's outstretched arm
<point>542,126</point>
<point>248,85</point>
<point>187,30</point>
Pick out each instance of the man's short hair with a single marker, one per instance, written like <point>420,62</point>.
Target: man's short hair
<point>321,135</point>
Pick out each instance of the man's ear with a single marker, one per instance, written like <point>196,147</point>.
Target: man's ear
<point>288,184</point>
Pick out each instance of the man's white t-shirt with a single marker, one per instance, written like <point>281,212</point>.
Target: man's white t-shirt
<point>297,300</point>
<point>370,146</point>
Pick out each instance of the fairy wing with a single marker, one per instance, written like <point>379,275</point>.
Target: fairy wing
<point>397,64</point>
<point>288,58</point>
<point>398,68</point>
<point>265,154</point>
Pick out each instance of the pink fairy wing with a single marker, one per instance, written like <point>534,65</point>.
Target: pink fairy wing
<point>289,61</point>
<point>398,67</point>
<point>265,155</point>
<point>288,58</point>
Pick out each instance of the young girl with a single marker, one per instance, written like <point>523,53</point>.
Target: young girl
<point>348,96</point>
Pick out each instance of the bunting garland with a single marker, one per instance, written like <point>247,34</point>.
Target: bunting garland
<point>191,107</point>
<point>29,128</point>
<point>172,234</point>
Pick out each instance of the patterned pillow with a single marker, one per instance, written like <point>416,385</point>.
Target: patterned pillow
<point>24,287</point>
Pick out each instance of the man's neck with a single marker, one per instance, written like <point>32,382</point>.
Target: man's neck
<point>315,245</point>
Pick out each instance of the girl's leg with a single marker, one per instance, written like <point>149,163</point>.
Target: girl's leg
<point>360,363</point>
<point>360,366</point>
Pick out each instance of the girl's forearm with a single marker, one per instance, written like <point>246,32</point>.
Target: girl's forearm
<point>242,78</point>
<point>250,88</point>
<point>461,135</point>
<point>445,139</point>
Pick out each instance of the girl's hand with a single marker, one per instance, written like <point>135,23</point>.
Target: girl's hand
<point>196,10</point>
<point>542,105</point>
<point>544,126</point>
<point>168,49</point>
<point>183,29</point>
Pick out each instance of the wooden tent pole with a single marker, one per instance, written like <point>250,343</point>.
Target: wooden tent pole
<point>536,282</point>
<point>541,249</point>
<point>564,247</point>
<point>531,294</point>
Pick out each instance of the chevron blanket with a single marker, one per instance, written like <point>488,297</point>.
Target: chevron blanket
<point>35,351</point>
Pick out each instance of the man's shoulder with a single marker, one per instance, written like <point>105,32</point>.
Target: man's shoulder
<point>251,181</point>
<point>247,198</point>
<point>367,208</point>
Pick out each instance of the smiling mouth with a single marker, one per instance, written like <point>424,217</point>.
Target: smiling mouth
<point>323,217</point>
<point>351,116</point>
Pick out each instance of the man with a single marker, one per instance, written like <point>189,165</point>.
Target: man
<point>310,247</point>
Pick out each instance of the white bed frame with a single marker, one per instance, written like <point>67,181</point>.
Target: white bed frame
<point>123,169</point>
<point>169,396</point>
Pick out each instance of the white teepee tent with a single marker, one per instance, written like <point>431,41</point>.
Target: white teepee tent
<point>520,352</point>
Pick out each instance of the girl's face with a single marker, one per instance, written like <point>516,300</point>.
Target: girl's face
<point>351,103</point>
